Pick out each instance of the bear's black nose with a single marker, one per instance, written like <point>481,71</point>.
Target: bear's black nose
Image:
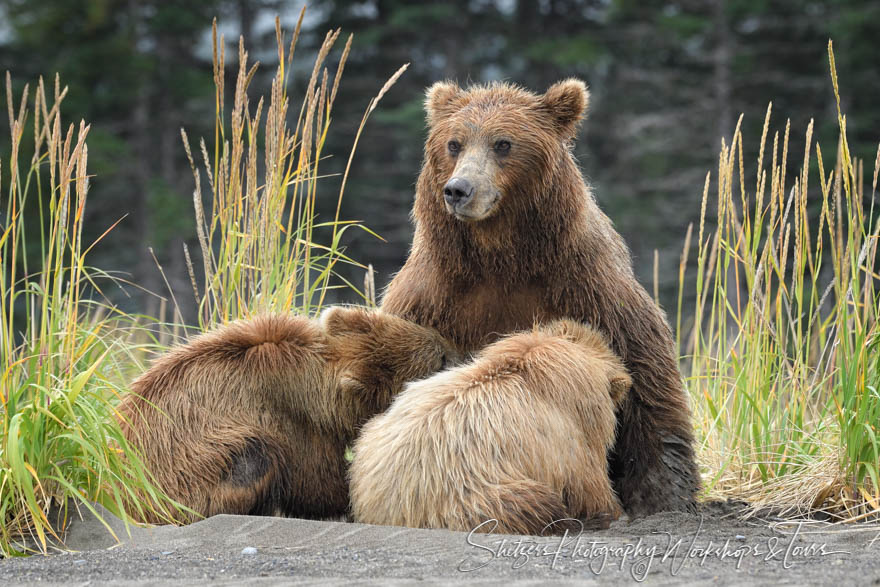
<point>458,191</point>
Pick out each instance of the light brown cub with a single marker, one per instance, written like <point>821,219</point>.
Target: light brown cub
<point>520,435</point>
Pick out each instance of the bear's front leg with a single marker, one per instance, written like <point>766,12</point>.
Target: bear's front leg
<point>652,464</point>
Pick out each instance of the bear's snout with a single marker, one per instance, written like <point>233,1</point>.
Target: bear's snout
<point>471,194</point>
<point>458,192</point>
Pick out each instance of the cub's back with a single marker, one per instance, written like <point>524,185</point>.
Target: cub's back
<point>241,363</point>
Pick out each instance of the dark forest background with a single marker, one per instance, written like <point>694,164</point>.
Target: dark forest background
<point>668,81</point>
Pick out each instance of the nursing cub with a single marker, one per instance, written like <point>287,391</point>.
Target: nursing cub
<point>521,435</point>
<point>254,417</point>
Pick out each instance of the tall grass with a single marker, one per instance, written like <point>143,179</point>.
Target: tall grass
<point>262,246</point>
<point>64,355</point>
<point>783,360</point>
<point>68,358</point>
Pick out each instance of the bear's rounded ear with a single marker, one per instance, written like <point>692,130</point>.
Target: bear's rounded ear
<point>567,102</point>
<point>438,100</point>
<point>337,320</point>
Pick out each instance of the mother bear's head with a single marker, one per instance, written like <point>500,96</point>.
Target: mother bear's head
<point>494,151</point>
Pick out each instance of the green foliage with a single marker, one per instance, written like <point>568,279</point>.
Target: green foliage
<point>171,213</point>
<point>577,50</point>
<point>68,354</point>
<point>782,358</point>
<point>65,356</point>
<point>135,75</point>
<point>262,246</point>
<point>684,26</point>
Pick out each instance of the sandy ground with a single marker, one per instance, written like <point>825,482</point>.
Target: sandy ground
<point>664,549</point>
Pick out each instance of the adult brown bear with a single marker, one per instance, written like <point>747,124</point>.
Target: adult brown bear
<point>508,233</point>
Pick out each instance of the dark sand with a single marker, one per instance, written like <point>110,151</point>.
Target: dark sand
<point>666,549</point>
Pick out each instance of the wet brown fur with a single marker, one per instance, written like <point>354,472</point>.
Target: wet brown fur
<point>519,436</point>
<point>254,417</point>
<point>546,252</point>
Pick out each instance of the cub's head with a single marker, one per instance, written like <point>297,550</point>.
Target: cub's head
<point>492,148</point>
<point>610,368</point>
<point>378,353</point>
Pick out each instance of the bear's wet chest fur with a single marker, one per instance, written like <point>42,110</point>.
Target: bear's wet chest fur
<point>485,311</point>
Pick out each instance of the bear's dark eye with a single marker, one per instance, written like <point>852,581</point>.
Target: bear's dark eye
<point>443,362</point>
<point>502,147</point>
<point>454,147</point>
